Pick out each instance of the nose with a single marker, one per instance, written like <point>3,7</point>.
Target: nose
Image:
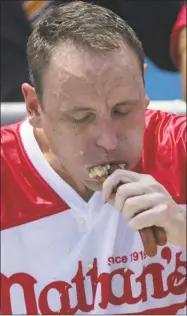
<point>107,137</point>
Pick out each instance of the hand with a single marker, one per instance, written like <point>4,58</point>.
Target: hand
<point>145,203</point>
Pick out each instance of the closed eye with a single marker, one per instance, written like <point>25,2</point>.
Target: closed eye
<point>81,120</point>
<point>121,113</point>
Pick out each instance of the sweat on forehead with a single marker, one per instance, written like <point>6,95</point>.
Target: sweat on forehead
<point>72,66</point>
<point>86,25</point>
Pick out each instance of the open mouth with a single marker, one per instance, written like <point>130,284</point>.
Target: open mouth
<point>103,171</point>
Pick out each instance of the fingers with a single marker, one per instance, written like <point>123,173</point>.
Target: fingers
<point>155,216</point>
<point>144,203</point>
<point>134,205</point>
<point>132,198</point>
<point>127,192</point>
<point>115,178</point>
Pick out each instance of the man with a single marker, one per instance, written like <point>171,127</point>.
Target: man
<point>71,243</point>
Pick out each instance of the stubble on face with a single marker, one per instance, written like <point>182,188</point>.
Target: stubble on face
<point>78,78</point>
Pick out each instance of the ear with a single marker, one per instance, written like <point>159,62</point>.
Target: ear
<point>32,105</point>
<point>145,68</point>
<point>147,100</point>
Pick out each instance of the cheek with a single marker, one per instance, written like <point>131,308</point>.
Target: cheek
<point>134,140</point>
<point>135,132</point>
<point>133,125</point>
<point>132,137</point>
<point>133,146</point>
<point>139,122</point>
<point>67,145</point>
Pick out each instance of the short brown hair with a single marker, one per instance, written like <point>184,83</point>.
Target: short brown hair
<point>84,24</point>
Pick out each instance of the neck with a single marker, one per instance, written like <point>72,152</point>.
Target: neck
<point>83,191</point>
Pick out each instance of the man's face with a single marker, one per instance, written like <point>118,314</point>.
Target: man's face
<point>93,110</point>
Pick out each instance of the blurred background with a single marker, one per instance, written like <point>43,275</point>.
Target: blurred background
<point>158,24</point>
<point>162,84</point>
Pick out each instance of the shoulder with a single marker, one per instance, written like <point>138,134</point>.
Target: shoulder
<point>164,153</point>
<point>162,122</point>
<point>25,196</point>
<point>8,131</point>
<point>165,133</point>
<point>9,137</point>
<point>10,141</point>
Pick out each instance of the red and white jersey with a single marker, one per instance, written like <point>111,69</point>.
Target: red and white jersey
<point>62,255</point>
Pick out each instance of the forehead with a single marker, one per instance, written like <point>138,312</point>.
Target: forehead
<point>76,73</point>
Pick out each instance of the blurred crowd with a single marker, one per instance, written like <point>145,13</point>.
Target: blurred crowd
<point>161,27</point>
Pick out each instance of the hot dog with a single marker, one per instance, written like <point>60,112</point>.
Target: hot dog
<point>151,236</point>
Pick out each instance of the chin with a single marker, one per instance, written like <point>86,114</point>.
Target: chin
<point>93,185</point>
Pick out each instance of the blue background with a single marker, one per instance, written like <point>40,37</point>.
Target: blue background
<point>162,85</point>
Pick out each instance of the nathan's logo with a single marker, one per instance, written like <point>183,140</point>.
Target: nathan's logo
<point>176,284</point>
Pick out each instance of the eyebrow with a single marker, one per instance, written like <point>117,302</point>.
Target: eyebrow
<point>121,103</point>
<point>80,109</point>
<point>126,102</point>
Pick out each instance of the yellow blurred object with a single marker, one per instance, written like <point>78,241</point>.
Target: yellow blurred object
<point>34,9</point>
